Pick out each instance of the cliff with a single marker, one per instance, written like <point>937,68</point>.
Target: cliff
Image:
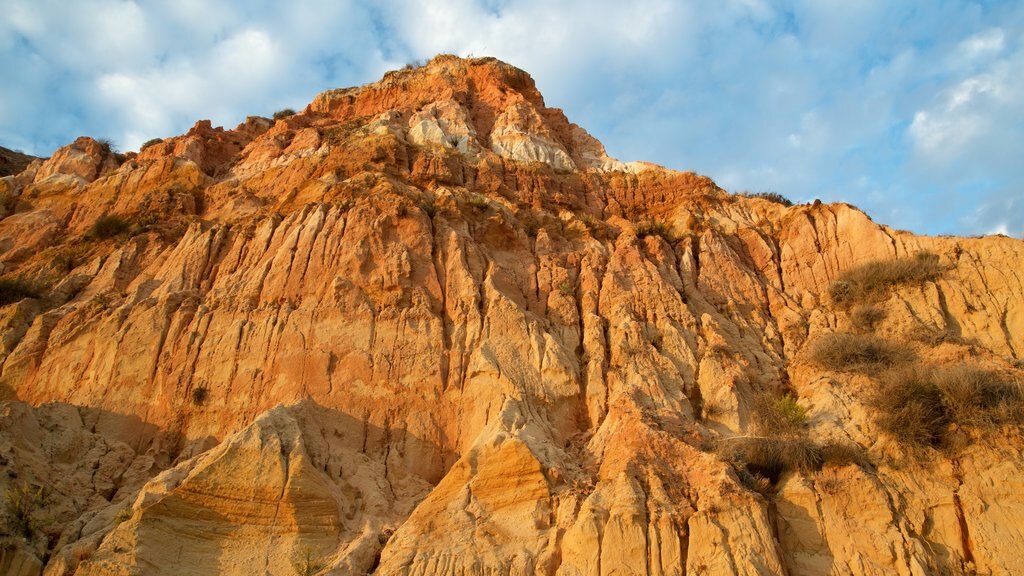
<point>428,326</point>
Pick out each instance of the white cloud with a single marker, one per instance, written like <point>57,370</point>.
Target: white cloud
<point>980,45</point>
<point>884,105</point>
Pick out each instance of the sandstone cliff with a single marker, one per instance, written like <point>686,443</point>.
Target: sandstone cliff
<point>427,326</point>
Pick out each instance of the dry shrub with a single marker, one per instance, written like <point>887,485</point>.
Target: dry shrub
<point>200,394</point>
<point>645,228</point>
<point>770,457</point>
<point>873,279</point>
<point>769,196</point>
<point>918,405</point>
<point>108,226</point>
<point>842,454</point>
<point>865,317</point>
<point>977,397</point>
<point>150,142</point>
<point>283,113</point>
<point>842,352</point>
<point>16,289</point>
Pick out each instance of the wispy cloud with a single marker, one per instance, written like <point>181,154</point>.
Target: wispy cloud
<point>911,110</point>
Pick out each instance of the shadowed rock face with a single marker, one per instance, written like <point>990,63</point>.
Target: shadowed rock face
<point>427,326</point>
<point>13,162</point>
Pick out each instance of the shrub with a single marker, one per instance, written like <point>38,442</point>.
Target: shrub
<point>22,501</point>
<point>779,416</point>
<point>283,113</point>
<point>647,228</point>
<point>976,397</point>
<point>107,144</point>
<point>769,196</point>
<point>866,317</point>
<point>770,457</point>
<point>477,201</point>
<point>872,279</point>
<point>200,394</point>
<point>917,406</point>
<point>760,457</point>
<point>150,142</point>
<point>108,226</point>
<point>15,290</point>
<point>842,352</point>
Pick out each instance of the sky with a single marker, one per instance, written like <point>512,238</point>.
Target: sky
<point>911,110</point>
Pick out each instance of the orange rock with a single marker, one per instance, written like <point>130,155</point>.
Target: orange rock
<point>428,326</point>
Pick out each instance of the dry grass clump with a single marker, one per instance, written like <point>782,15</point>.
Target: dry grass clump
<point>15,290</point>
<point>865,317</point>
<point>283,113</point>
<point>875,278</point>
<point>108,226</point>
<point>769,196</point>
<point>150,142</point>
<point>770,457</point>
<point>784,446</point>
<point>919,406</point>
<point>645,228</point>
<point>842,352</point>
<point>760,458</point>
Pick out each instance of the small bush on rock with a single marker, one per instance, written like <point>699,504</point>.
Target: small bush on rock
<point>21,501</point>
<point>150,142</point>
<point>866,317</point>
<point>15,290</point>
<point>843,352</point>
<point>875,278</point>
<point>283,113</point>
<point>646,228</point>
<point>779,416</point>
<point>918,406</point>
<point>769,196</point>
<point>108,226</point>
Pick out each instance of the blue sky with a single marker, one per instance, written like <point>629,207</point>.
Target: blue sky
<point>913,111</point>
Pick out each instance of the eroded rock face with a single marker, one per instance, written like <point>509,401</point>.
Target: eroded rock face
<point>427,326</point>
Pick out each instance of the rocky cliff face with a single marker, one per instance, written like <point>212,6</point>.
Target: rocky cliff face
<point>13,161</point>
<point>427,326</point>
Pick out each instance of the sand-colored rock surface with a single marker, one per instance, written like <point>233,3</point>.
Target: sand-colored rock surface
<point>427,326</point>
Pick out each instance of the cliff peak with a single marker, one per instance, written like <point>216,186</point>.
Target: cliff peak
<point>427,326</point>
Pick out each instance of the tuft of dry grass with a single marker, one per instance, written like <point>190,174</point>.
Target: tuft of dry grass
<point>865,317</point>
<point>770,457</point>
<point>17,289</point>
<point>872,279</point>
<point>283,113</point>
<point>769,196</point>
<point>645,228</point>
<point>918,406</point>
<point>842,352</point>
<point>108,226</point>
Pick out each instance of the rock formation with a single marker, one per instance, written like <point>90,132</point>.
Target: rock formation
<point>13,161</point>
<point>427,326</point>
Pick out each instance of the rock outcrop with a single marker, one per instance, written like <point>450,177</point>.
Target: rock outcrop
<point>427,326</point>
<point>13,162</point>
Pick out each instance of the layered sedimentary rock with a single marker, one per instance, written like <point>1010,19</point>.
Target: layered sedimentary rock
<point>427,326</point>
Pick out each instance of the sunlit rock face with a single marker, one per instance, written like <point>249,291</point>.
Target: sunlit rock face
<point>427,326</point>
